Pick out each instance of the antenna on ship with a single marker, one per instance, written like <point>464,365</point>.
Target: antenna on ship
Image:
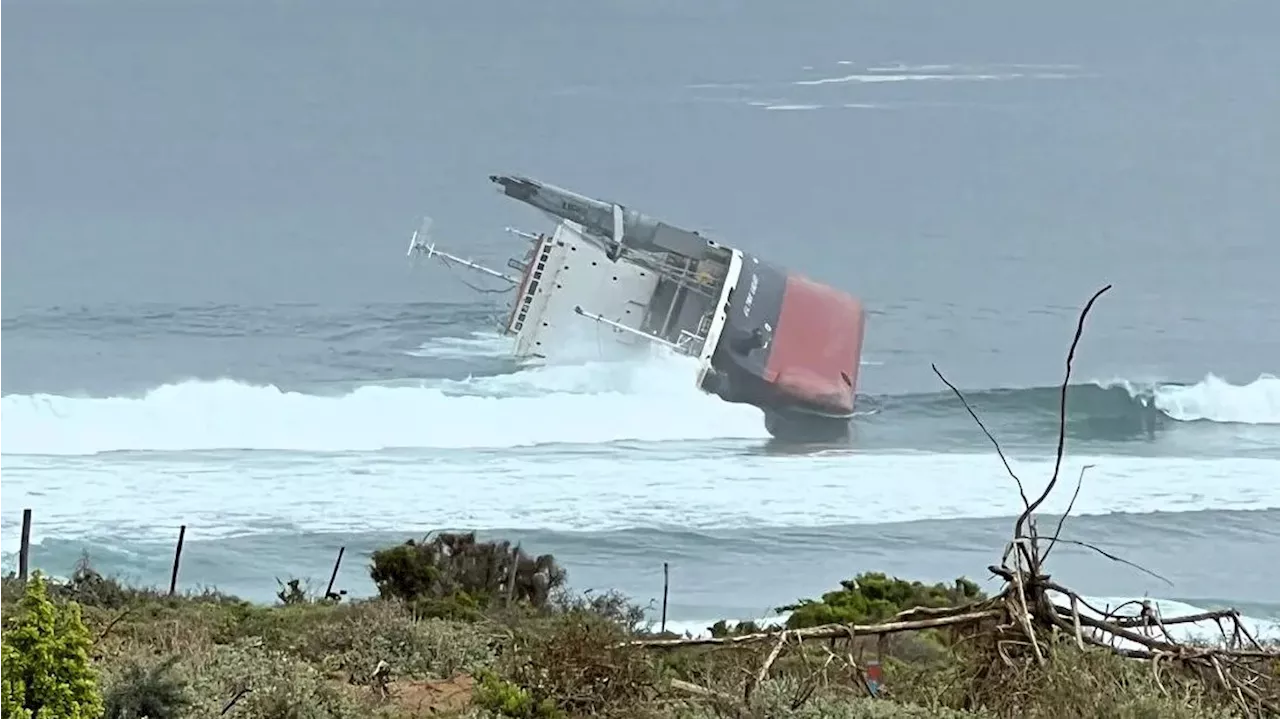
<point>422,246</point>
<point>420,243</point>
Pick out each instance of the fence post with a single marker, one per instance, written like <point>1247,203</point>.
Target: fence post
<point>328,592</point>
<point>177,559</point>
<point>24,550</point>
<point>666,584</point>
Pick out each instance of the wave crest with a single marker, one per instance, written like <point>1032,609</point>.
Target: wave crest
<point>591,403</point>
<point>595,402</point>
<point>1212,399</point>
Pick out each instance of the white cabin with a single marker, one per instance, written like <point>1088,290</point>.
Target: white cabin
<point>571,295</point>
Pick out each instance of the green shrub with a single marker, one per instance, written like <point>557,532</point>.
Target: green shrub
<point>460,607</point>
<point>612,606</point>
<point>46,669</point>
<point>452,564</point>
<point>723,628</point>
<point>89,588</point>
<point>575,660</point>
<point>354,638</point>
<point>143,691</point>
<point>11,589</point>
<point>875,597</point>
<point>508,700</point>
<point>269,684</point>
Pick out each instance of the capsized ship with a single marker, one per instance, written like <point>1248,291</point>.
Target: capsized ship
<point>762,334</point>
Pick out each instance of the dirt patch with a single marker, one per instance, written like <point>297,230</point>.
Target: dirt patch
<point>433,695</point>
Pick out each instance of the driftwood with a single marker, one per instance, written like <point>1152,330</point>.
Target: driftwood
<point>1023,614</point>
<point>965,615</point>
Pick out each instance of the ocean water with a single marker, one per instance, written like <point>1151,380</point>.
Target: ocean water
<point>208,319</point>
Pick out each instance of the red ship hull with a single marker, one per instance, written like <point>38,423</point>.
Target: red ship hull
<point>792,347</point>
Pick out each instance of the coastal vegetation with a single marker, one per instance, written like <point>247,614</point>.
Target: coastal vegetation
<point>449,636</point>
<point>481,629</point>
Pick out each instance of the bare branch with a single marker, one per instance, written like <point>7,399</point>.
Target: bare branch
<point>1021,492</point>
<point>1062,414</point>
<point>1058,531</point>
<point>112,624</point>
<point>1108,555</point>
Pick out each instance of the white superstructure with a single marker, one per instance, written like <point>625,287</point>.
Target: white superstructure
<point>569,293</point>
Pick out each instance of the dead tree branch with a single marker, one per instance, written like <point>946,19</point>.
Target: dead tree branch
<point>1070,505</point>
<point>1000,452</point>
<point>962,615</point>
<point>1062,415</point>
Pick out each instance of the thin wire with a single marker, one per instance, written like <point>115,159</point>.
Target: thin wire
<point>481,290</point>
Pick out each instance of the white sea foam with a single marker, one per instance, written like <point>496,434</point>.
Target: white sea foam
<point>903,72</point>
<point>712,485</point>
<point>969,67</point>
<point>930,77</point>
<point>900,67</point>
<point>1212,399</point>
<point>578,479</point>
<point>767,105</point>
<point>473,346</point>
<point>585,403</point>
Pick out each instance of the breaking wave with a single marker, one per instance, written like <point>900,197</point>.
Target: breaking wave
<point>1212,399</point>
<point>589,403</point>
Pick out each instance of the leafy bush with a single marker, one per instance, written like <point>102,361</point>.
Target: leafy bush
<point>146,691</point>
<point>46,670</point>
<point>723,628</point>
<point>874,597</point>
<point>454,564</point>
<point>87,587</point>
<point>460,607</point>
<point>268,683</point>
<point>574,660</point>
<point>354,638</point>
<point>11,589</point>
<point>612,606</point>
<point>508,700</point>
